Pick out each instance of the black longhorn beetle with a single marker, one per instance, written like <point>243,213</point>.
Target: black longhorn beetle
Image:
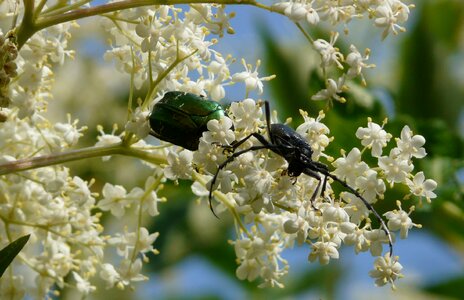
<point>290,145</point>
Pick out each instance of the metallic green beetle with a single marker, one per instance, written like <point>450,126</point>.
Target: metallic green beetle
<point>180,118</point>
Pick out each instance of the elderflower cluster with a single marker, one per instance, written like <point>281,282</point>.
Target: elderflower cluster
<point>167,38</point>
<point>274,211</point>
<point>388,15</point>
<point>385,14</point>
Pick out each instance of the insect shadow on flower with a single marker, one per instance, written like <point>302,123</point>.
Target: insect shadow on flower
<point>287,143</point>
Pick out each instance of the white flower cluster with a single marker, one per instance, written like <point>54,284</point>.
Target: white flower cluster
<point>52,206</point>
<point>160,39</point>
<point>273,210</point>
<point>386,14</point>
<point>58,210</point>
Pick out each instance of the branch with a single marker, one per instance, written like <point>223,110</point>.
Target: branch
<point>73,155</point>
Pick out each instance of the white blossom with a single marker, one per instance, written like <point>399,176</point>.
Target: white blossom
<point>330,55</point>
<point>180,165</point>
<point>400,220</point>
<point>219,131</point>
<point>410,145</point>
<point>350,167</point>
<point>332,90</point>
<point>83,285</point>
<point>357,63</point>
<point>323,252</point>
<point>109,274</point>
<point>422,187</point>
<point>395,169</point>
<point>251,79</point>
<point>386,270</point>
<point>370,185</point>
<point>114,199</point>
<point>315,132</point>
<point>246,114</point>
<point>373,137</point>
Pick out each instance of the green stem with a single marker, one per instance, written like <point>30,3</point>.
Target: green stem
<point>116,6</point>
<point>73,155</point>
<point>307,36</point>
<point>32,23</point>
<point>26,28</point>
<point>178,60</point>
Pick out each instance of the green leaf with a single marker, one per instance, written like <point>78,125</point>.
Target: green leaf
<point>451,288</point>
<point>8,253</point>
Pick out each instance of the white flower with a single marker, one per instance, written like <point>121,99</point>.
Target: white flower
<point>138,123</point>
<point>357,63</point>
<point>218,71</point>
<point>124,243</point>
<point>395,168</point>
<point>130,271</point>
<point>219,131</point>
<point>350,167</point>
<point>335,214</point>
<point>109,275</point>
<point>400,220</point>
<point>179,165</point>
<point>370,185</point>
<point>255,199</point>
<point>330,55</point>
<point>323,251</point>
<point>315,132</point>
<point>358,239</point>
<point>298,11</point>
<point>333,88</point>
<point>421,187</point>
<point>376,237</point>
<point>147,197</point>
<point>410,145</point>
<point>83,285</point>
<point>355,208</point>
<point>373,137</point>
<point>107,139</point>
<point>249,269</point>
<point>145,240</point>
<point>69,131</point>
<point>114,199</point>
<point>251,79</point>
<point>386,270</point>
<point>246,114</point>
<point>148,30</point>
<point>388,18</point>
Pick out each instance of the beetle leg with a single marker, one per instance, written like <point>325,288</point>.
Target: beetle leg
<point>258,136</point>
<point>324,185</point>
<point>316,176</point>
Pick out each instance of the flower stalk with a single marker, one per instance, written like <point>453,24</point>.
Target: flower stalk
<point>79,154</point>
<point>31,25</point>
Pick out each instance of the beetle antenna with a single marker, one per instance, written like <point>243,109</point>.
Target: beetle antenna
<point>369,206</point>
<point>268,119</point>
<point>211,203</point>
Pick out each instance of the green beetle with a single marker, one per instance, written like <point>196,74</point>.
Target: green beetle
<point>180,118</point>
